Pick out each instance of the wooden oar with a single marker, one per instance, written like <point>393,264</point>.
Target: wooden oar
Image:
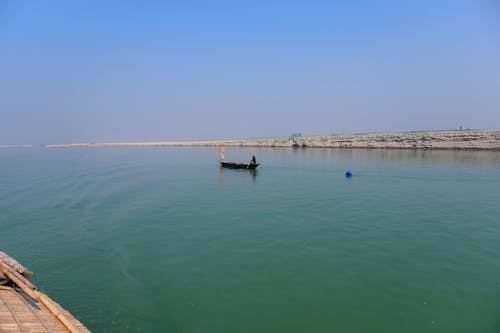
<point>15,265</point>
<point>19,280</point>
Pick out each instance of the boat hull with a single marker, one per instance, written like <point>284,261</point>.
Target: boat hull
<point>234,165</point>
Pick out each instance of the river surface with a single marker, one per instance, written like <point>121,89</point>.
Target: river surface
<point>164,240</point>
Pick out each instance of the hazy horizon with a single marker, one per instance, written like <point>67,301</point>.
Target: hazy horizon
<point>90,71</point>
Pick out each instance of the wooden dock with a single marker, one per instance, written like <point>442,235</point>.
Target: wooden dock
<point>23,308</point>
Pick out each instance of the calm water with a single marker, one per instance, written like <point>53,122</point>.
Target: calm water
<point>163,240</point>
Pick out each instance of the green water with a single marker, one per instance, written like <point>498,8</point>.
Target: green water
<point>163,240</point>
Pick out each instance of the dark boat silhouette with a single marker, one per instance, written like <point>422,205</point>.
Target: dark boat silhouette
<point>241,165</point>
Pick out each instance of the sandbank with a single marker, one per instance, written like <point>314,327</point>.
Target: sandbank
<point>464,139</point>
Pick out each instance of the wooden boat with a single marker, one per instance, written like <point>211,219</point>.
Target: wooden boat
<point>25,309</point>
<point>235,165</point>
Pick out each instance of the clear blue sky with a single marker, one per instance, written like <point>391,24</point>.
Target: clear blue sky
<point>83,71</point>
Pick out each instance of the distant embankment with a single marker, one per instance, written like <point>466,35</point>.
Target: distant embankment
<point>469,139</point>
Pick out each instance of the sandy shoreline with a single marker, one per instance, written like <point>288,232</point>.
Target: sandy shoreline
<point>467,139</point>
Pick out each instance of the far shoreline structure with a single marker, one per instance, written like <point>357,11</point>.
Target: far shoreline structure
<point>453,140</point>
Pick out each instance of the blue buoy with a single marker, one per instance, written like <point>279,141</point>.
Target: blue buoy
<point>348,173</point>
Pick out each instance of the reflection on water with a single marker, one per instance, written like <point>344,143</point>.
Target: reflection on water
<point>448,156</point>
<point>252,172</point>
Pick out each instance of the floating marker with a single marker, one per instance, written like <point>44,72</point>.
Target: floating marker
<point>348,173</point>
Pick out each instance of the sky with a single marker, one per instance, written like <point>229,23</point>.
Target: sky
<point>111,71</point>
